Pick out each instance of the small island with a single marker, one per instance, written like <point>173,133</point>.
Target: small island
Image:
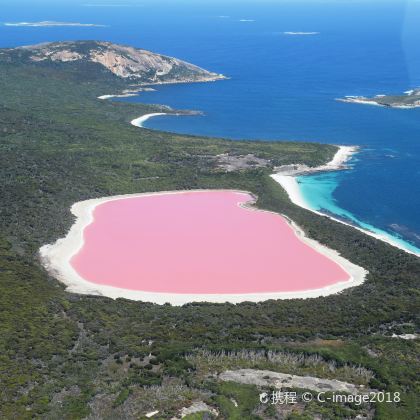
<point>410,99</point>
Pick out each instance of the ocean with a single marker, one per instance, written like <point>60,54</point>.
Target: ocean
<point>281,87</point>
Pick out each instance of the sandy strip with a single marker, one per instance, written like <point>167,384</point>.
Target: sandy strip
<point>106,97</point>
<point>123,95</point>
<point>138,122</point>
<point>287,179</point>
<point>56,259</point>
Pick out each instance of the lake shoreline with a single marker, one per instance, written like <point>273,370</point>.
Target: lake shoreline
<point>56,259</point>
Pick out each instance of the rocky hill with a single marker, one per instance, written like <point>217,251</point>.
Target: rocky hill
<point>124,62</point>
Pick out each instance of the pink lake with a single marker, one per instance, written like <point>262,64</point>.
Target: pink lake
<point>198,243</point>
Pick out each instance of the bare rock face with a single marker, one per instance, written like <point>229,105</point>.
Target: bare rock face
<point>137,65</point>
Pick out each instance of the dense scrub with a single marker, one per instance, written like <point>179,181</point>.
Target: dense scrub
<point>69,356</point>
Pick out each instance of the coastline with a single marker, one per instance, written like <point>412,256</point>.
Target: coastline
<point>56,259</point>
<point>214,78</point>
<point>286,177</point>
<point>138,122</point>
<point>128,93</point>
<point>145,87</point>
<point>123,95</point>
<point>366,101</point>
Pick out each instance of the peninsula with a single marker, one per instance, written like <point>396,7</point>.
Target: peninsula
<point>102,60</point>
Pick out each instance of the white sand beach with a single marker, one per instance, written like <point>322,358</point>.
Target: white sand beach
<point>123,95</point>
<point>138,122</point>
<point>56,259</point>
<point>287,179</point>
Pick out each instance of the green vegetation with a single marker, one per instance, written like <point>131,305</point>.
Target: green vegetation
<point>105,61</point>
<point>236,401</point>
<point>68,356</point>
<point>197,416</point>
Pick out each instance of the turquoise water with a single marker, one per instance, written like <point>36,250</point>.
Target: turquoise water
<point>282,87</point>
<point>318,193</point>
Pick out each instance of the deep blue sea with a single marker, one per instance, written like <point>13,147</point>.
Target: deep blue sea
<point>282,87</point>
